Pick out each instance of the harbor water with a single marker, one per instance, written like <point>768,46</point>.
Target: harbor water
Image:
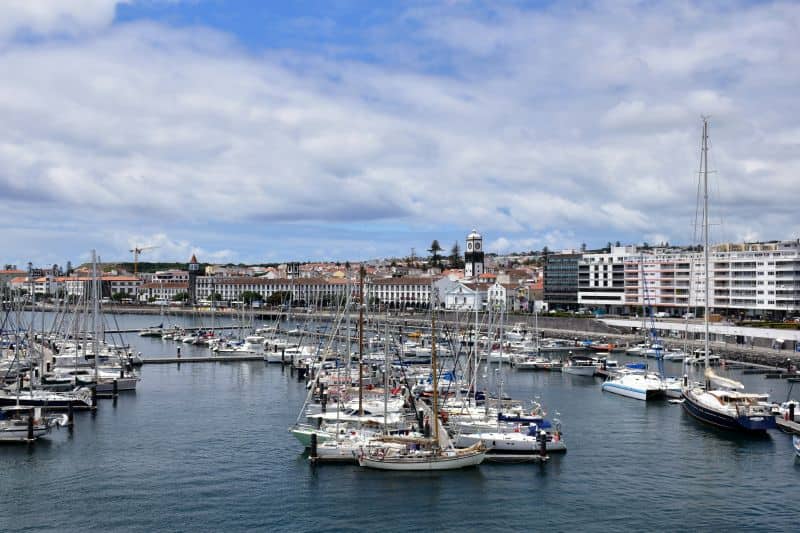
<point>205,447</point>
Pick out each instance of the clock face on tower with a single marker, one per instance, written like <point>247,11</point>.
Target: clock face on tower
<point>477,246</point>
<point>469,246</point>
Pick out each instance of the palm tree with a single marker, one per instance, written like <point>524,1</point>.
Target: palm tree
<point>434,251</point>
<point>455,255</point>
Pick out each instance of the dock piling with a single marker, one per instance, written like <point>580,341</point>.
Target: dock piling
<point>31,416</point>
<point>313,455</point>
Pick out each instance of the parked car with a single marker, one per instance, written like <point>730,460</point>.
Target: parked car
<point>688,315</point>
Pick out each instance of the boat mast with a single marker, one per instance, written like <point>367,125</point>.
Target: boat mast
<point>435,416</point>
<point>386,367</point>
<point>95,313</point>
<point>361,341</point>
<point>705,233</point>
<point>476,358</point>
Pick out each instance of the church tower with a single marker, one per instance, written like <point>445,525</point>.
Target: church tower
<point>473,255</point>
<point>194,269</point>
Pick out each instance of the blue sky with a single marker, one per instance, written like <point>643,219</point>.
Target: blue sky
<point>268,131</point>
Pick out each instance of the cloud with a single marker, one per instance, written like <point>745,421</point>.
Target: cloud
<point>55,17</point>
<point>554,126</point>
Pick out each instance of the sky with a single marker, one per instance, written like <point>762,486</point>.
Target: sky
<point>261,131</point>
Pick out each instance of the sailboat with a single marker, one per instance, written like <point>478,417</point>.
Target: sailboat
<point>721,402</point>
<point>641,384</point>
<point>26,424</point>
<point>422,454</point>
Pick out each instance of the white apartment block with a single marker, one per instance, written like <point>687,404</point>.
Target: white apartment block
<point>751,279</point>
<point>601,278</point>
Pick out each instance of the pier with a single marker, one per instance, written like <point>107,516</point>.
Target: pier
<point>200,359</point>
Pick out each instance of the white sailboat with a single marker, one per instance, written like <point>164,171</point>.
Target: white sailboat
<point>422,454</point>
<point>25,424</point>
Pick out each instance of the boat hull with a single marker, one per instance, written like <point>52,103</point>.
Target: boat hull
<point>744,424</point>
<point>423,463</point>
<point>19,433</point>
<point>505,444</point>
<point>587,371</point>
<point>633,392</point>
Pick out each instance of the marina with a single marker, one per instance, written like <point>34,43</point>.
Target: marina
<point>251,403</point>
<point>399,266</point>
<point>165,447</point>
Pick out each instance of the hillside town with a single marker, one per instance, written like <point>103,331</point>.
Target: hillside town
<point>748,280</point>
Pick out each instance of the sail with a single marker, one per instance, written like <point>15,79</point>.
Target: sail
<point>723,382</point>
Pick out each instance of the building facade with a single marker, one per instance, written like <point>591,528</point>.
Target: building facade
<point>561,281</point>
<point>601,279</point>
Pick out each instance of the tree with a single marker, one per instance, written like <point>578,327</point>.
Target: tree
<point>617,244</point>
<point>249,297</point>
<point>583,247</point>
<point>118,296</point>
<point>434,250</point>
<point>545,251</point>
<point>455,256</point>
<point>215,297</point>
<point>180,297</point>
<point>278,298</point>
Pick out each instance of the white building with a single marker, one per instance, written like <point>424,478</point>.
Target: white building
<point>601,278</point>
<point>752,279</point>
<point>465,296</point>
<point>506,296</point>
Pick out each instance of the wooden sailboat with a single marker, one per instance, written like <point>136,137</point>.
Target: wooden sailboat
<point>422,454</point>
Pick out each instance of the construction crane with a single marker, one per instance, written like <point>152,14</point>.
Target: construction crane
<point>136,251</point>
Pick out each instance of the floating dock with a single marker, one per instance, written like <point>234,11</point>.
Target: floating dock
<point>212,359</point>
<point>788,426</point>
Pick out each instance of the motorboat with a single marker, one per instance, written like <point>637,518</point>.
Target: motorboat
<point>152,331</point>
<point>580,365</point>
<point>515,441</point>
